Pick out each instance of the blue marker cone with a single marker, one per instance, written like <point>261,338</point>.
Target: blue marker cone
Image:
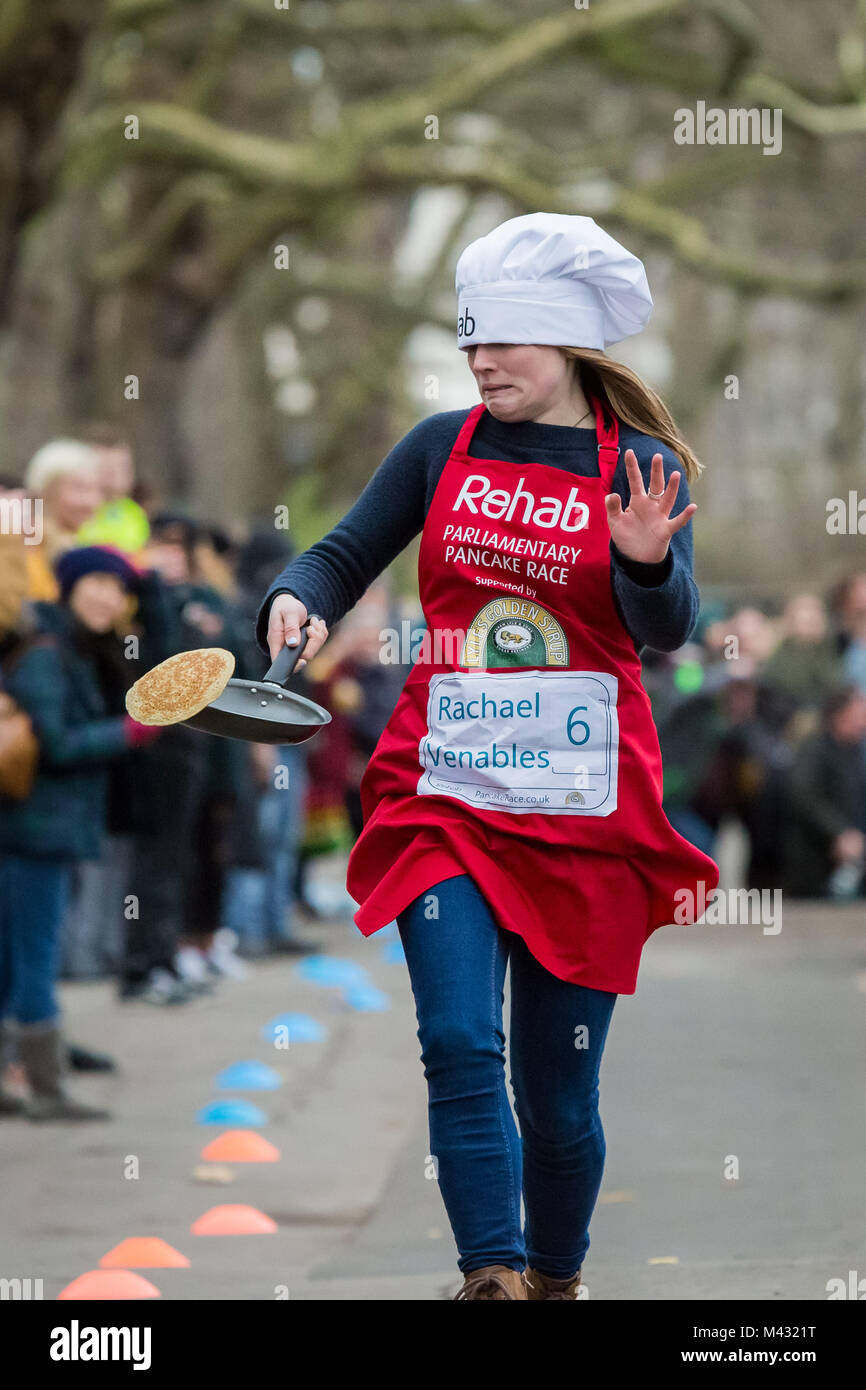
<point>366,999</point>
<point>231,1112</point>
<point>331,970</point>
<point>248,1076</point>
<point>299,1028</point>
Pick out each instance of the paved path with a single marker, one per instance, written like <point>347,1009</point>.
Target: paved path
<point>737,1043</point>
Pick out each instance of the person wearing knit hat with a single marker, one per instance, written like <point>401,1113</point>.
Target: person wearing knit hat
<point>67,676</point>
<point>73,565</point>
<point>512,807</point>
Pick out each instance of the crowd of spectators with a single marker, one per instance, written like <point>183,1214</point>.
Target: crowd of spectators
<point>159,856</point>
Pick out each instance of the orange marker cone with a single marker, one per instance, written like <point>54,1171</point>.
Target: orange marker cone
<point>241,1146</point>
<point>233,1221</point>
<point>144,1252</point>
<point>108,1284</point>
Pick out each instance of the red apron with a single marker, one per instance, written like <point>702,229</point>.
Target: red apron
<point>522,750</point>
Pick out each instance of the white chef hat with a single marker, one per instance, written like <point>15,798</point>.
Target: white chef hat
<point>550,278</point>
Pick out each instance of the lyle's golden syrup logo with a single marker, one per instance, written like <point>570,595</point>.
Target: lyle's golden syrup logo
<point>513,637</point>
<point>511,631</point>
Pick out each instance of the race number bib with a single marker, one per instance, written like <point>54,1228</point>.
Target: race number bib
<point>545,741</point>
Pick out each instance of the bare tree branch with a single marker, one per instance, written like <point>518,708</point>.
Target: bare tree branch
<point>799,111</point>
<point>682,234</point>
<point>172,130</point>
<point>520,50</point>
<point>687,238</point>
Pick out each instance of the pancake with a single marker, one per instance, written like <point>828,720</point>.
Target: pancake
<point>179,687</point>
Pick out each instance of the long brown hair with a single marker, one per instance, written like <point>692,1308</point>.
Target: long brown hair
<point>632,401</point>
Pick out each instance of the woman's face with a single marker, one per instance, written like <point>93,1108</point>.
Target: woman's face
<point>116,470</point>
<point>520,381</point>
<point>98,601</point>
<point>169,559</point>
<point>805,618</point>
<point>72,498</point>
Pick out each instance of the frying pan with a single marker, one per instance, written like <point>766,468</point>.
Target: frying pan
<point>264,711</point>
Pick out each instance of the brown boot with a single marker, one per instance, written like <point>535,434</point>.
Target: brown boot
<point>41,1055</point>
<point>495,1282</point>
<point>539,1286</point>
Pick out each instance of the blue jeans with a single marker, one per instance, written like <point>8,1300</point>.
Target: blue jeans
<point>33,898</point>
<point>258,903</point>
<point>457,962</point>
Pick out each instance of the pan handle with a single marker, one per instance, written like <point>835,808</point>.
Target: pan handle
<point>287,659</point>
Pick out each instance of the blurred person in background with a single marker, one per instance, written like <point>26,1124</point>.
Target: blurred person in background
<point>691,725</point>
<point>93,929</point>
<point>715,733</point>
<point>804,667</point>
<point>64,474</point>
<point>377,685</point>
<point>825,804</point>
<point>260,901</point>
<point>96,885</point>
<point>259,905</point>
<point>849,606</point>
<point>191,785</point>
<point>744,779</point>
<point>327,825</point>
<point>755,639</point>
<point>715,648</point>
<point>119,520</point>
<point>225,825</point>
<point>683,687</point>
<point>262,555</point>
<point>215,558</point>
<point>61,677</point>
<point>658,671</point>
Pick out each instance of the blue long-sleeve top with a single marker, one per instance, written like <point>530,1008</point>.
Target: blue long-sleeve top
<point>657,603</point>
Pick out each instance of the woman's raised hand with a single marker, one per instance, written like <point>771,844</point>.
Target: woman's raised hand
<point>285,620</point>
<point>643,531</point>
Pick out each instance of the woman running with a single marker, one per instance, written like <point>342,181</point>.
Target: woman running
<point>513,805</point>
